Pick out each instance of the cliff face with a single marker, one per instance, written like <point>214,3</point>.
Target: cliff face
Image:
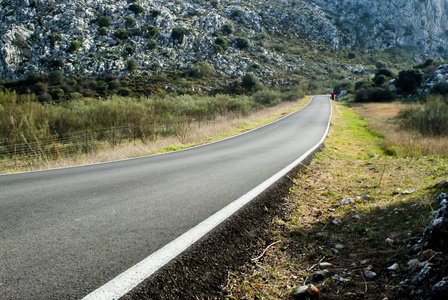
<point>40,35</point>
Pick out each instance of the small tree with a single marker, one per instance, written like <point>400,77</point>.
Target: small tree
<point>74,46</point>
<point>102,31</point>
<point>56,77</point>
<point>409,81</point>
<point>121,34</point>
<point>57,94</point>
<point>249,80</point>
<point>130,21</point>
<point>178,33</point>
<point>220,44</point>
<point>150,31</point>
<point>152,44</point>
<point>131,65</point>
<point>33,3</point>
<point>380,65</point>
<point>136,9</point>
<point>227,29</point>
<point>155,13</point>
<point>214,3</point>
<point>242,43</point>
<point>103,21</point>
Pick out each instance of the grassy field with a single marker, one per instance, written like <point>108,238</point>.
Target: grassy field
<point>353,207</point>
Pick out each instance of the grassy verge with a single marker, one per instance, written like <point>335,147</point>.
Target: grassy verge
<point>352,208</point>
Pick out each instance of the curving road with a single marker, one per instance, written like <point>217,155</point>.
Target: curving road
<point>66,232</point>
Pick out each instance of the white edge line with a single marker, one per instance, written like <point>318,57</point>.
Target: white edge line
<point>158,154</point>
<point>130,278</point>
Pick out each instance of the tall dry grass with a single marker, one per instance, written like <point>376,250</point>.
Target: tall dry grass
<point>223,126</point>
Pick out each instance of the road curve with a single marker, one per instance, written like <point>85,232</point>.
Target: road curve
<point>66,232</point>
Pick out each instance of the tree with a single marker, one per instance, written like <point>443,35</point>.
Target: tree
<point>409,81</point>
<point>380,65</point>
<point>155,13</point>
<point>250,80</point>
<point>131,65</point>
<point>56,77</point>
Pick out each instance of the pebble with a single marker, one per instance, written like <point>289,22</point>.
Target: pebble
<point>389,241</point>
<point>346,201</point>
<point>394,267</point>
<point>336,221</point>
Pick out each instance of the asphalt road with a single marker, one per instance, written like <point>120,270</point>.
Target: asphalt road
<point>66,232</point>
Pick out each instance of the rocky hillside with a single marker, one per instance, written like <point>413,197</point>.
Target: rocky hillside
<point>146,36</point>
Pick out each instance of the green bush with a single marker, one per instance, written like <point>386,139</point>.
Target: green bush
<point>380,65</point>
<point>131,65</point>
<point>250,80</point>
<point>125,92</point>
<point>74,46</point>
<point>242,43</point>
<point>33,3</point>
<point>214,3</point>
<point>56,77</point>
<point>373,95</point>
<point>150,31</point>
<point>440,88</point>
<point>57,94</point>
<point>237,13</point>
<point>178,33</point>
<point>220,44</point>
<point>351,55</point>
<point>130,21</point>
<point>102,31</point>
<point>103,21</point>
<point>152,44</point>
<point>155,13</point>
<point>136,9</point>
<point>409,81</point>
<point>55,37</point>
<point>121,34</point>
<point>227,29</point>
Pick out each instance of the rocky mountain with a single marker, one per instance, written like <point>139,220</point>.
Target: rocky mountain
<point>146,36</point>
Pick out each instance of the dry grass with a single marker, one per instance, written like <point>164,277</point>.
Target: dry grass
<point>317,227</point>
<point>207,132</point>
<point>397,141</point>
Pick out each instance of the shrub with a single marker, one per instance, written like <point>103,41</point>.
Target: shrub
<point>56,77</point>
<point>380,80</point>
<point>152,44</point>
<point>33,3</point>
<point>129,49</point>
<point>103,21</point>
<point>74,46</point>
<point>351,55</point>
<point>440,88</point>
<point>409,81</point>
<point>380,65</point>
<point>136,9</point>
<point>56,63</point>
<point>250,80</point>
<point>121,34</point>
<point>131,65</point>
<point>214,3</point>
<point>385,72</point>
<point>57,94</point>
<point>130,21</point>
<point>155,13</point>
<point>178,33</point>
<point>373,95</point>
<point>55,37</point>
<point>242,43</point>
<point>150,31</point>
<point>102,31</point>
<point>125,92</point>
<point>220,44</point>
<point>227,29</point>
<point>237,13</point>
<point>136,31</point>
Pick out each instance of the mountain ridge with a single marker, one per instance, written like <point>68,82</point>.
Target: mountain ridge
<point>42,35</point>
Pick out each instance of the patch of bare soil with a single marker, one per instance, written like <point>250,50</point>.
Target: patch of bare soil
<point>378,110</point>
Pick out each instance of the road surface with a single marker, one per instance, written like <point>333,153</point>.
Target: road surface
<point>66,232</point>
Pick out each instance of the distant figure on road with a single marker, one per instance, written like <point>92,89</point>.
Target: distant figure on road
<point>333,96</point>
